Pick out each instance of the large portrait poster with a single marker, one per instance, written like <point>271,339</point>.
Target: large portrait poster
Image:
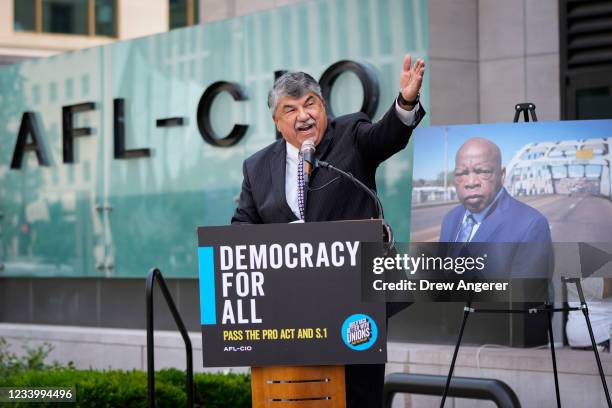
<point>525,192</point>
<point>562,170</point>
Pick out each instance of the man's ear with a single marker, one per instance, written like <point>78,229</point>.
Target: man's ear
<point>503,175</point>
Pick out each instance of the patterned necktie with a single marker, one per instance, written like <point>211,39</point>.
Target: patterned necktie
<point>466,229</point>
<point>300,185</point>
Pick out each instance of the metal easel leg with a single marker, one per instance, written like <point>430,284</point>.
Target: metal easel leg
<point>552,352</point>
<point>585,311</point>
<point>466,311</point>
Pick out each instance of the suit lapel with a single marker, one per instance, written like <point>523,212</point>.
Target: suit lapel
<point>457,223</point>
<point>489,224</point>
<point>278,166</point>
<point>323,147</point>
<point>325,142</point>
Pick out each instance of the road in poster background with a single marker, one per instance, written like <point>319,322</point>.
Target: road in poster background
<point>288,294</point>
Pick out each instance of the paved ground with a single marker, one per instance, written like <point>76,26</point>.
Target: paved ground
<point>572,219</point>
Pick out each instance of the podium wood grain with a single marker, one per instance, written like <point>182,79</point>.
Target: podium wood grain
<point>298,387</point>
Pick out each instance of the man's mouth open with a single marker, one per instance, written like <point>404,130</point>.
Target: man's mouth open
<point>305,128</point>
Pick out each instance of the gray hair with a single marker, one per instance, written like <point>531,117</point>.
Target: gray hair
<point>294,85</point>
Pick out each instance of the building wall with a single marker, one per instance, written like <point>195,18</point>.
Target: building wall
<point>453,49</point>
<point>485,55</point>
<point>181,185</point>
<point>136,18</point>
<point>212,10</point>
<point>488,55</point>
<point>518,58</point>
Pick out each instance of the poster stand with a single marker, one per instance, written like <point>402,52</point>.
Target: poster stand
<point>526,109</point>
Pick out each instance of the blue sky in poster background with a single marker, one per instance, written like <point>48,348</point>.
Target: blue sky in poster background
<point>429,141</point>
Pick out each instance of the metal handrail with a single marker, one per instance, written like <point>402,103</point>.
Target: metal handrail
<point>154,274</point>
<point>462,387</point>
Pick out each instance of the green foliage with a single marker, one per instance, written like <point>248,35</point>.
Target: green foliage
<point>220,391</point>
<point>32,359</point>
<point>118,388</point>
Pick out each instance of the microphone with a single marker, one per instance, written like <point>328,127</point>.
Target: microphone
<point>308,151</point>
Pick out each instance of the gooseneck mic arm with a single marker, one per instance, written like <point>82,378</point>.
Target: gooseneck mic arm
<point>368,190</point>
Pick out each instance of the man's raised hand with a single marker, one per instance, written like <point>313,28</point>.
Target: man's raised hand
<point>411,77</point>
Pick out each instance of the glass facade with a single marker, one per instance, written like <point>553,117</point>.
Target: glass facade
<point>102,216</point>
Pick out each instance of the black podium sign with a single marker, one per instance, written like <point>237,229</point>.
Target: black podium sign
<point>288,294</point>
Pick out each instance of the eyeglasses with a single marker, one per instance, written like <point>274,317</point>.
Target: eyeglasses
<point>481,174</point>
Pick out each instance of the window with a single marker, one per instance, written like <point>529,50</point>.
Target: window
<point>79,17</point>
<point>183,13</point>
<point>105,18</point>
<point>24,15</point>
<point>64,16</point>
<point>586,61</point>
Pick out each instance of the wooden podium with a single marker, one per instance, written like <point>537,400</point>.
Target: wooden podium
<point>298,387</point>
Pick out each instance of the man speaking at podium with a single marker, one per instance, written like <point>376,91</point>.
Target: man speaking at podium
<point>273,186</point>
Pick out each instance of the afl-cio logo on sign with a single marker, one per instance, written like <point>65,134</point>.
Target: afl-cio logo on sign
<point>359,332</point>
<point>238,348</point>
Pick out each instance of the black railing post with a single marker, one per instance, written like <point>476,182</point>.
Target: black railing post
<point>150,345</point>
<point>154,274</point>
<point>461,387</point>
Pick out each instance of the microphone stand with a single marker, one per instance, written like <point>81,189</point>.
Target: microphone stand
<point>390,240</point>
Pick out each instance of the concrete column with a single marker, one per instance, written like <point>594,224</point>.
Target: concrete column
<point>453,61</point>
<point>153,17</point>
<point>518,57</point>
<point>212,10</point>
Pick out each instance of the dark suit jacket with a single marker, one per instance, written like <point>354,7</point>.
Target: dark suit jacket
<point>351,143</point>
<point>509,221</point>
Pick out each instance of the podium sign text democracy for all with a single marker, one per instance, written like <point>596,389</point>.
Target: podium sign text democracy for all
<point>288,294</point>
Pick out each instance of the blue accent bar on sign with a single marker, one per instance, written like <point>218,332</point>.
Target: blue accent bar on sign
<point>206,263</point>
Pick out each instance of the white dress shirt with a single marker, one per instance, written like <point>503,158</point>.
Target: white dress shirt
<point>291,170</point>
<point>291,167</point>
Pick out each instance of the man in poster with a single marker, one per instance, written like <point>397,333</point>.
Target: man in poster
<point>487,213</point>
